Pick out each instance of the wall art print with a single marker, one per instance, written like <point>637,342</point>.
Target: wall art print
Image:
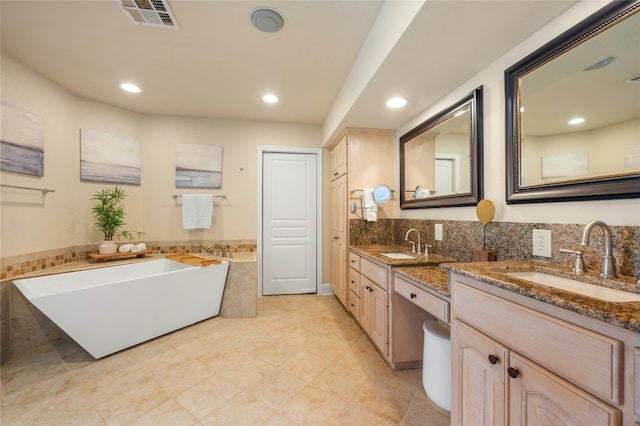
<point>21,140</point>
<point>110,159</point>
<point>198,166</point>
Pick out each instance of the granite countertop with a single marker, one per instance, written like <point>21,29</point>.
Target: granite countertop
<point>621,314</point>
<point>430,277</point>
<point>375,251</point>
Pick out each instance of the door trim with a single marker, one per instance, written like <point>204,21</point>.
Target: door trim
<point>265,149</point>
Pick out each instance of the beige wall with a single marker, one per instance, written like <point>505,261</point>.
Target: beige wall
<point>605,147</point>
<point>64,218</point>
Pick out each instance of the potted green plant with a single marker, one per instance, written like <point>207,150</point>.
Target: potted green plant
<point>109,218</point>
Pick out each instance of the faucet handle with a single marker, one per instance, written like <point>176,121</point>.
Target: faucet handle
<point>413,246</point>
<point>578,267</point>
<point>426,249</point>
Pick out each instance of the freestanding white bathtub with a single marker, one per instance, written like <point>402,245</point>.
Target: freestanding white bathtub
<point>109,309</point>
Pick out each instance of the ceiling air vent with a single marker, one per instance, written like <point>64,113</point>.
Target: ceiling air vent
<point>635,79</point>
<point>156,13</point>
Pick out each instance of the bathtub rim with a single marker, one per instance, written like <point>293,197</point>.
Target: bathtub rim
<point>27,290</point>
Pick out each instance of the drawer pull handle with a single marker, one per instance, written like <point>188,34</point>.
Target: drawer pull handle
<point>493,359</point>
<point>514,373</point>
<point>353,261</point>
<point>353,282</point>
<point>413,295</point>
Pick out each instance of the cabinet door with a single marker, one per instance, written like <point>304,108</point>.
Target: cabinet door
<point>539,397</point>
<point>339,262</point>
<point>339,158</point>
<point>365,303</point>
<point>478,378</point>
<point>379,320</point>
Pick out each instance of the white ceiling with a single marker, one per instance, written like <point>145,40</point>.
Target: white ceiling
<point>217,65</point>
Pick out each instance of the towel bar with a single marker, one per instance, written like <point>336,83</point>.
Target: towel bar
<point>223,196</point>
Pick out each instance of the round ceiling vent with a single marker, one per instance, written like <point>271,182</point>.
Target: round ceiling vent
<point>267,19</point>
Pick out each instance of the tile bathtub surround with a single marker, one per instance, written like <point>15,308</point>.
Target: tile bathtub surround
<point>510,241</point>
<point>303,360</point>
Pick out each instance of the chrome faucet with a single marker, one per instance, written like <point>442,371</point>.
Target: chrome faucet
<point>406,238</point>
<point>221,249</point>
<point>211,249</point>
<point>608,267</point>
<point>207,249</point>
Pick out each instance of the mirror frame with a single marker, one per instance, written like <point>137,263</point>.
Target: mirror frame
<point>474,101</point>
<point>596,188</point>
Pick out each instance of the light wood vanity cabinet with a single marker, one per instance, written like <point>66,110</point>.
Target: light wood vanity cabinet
<point>339,158</point>
<point>358,159</point>
<point>370,299</point>
<point>339,239</point>
<point>514,364</point>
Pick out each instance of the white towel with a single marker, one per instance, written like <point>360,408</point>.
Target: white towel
<point>197,211</point>
<point>369,207</point>
<point>138,248</point>
<point>125,248</point>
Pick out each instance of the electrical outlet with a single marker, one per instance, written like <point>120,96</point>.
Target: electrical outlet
<point>542,242</point>
<point>438,232</point>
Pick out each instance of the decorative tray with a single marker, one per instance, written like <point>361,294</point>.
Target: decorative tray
<point>104,257</point>
<point>190,259</point>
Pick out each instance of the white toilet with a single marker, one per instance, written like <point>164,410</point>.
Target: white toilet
<point>436,363</point>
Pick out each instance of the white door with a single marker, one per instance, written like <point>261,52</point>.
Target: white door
<point>289,223</point>
<point>444,176</point>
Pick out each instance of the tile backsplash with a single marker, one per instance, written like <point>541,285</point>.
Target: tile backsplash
<point>509,240</point>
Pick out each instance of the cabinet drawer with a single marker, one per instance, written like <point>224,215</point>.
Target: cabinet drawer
<point>354,280</point>
<point>588,359</point>
<point>375,273</point>
<point>434,305</point>
<point>354,304</point>
<point>354,261</point>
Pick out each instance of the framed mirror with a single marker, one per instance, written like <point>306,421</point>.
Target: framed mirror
<point>573,113</point>
<point>441,159</point>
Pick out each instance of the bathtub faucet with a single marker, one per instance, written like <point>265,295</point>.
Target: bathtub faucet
<point>211,249</point>
<point>207,249</point>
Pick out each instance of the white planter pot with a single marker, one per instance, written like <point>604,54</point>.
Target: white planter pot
<point>107,247</point>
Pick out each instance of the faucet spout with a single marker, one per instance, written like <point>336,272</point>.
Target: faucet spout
<point>406,238</point>
<point>608,268</point>
<point>212,249</point>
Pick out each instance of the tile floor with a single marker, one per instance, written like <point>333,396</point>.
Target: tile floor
<point>302,361</point>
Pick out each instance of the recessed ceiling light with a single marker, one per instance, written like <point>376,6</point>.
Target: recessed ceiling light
<point>267,19</point>
<point>521,109</point>
<point>577,120</point>
<point>130,87</point>
<point>396,102</point>
<point>270,98</point>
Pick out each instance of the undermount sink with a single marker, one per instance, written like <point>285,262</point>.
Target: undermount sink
<point>585,289</point>
<point>398,255</point>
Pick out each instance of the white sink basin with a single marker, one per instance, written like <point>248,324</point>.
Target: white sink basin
<point>398,255</point>
<point>585,289</point>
